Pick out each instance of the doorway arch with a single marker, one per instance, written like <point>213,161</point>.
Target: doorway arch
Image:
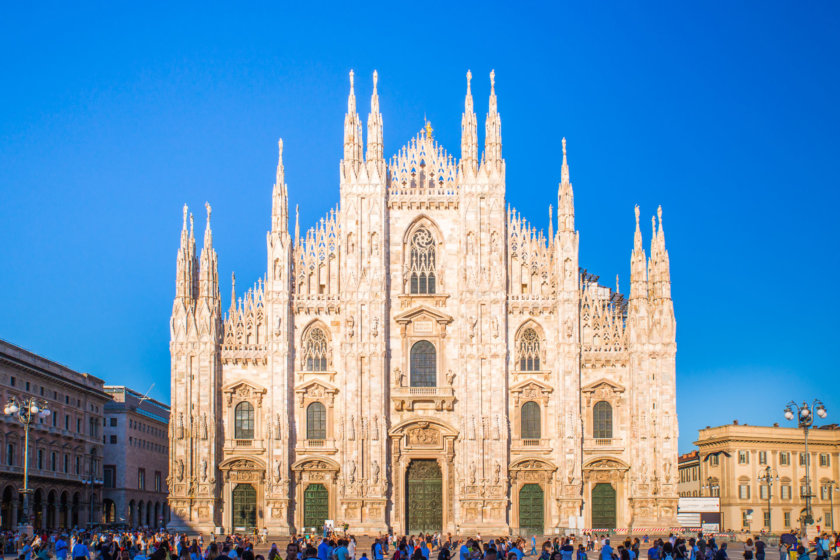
<point>244,498</point>
<point>603,506</point>
<point>531,509</point>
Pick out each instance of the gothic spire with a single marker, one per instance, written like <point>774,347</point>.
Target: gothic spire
<point>297,225</point>
<point>352,130</point>
<point>638,270</point>
<point>232,293</point>
<point>184,280</point>
<point>374,124</point>
<point>565,198</point>
<point>550,223</point>
<point>469,135</point>
<point>660,266</point>
<point>493,129</point>
<point>208,286</point>
<point>280,196</point>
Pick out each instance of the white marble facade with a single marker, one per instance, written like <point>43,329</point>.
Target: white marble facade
<point>424,320</point>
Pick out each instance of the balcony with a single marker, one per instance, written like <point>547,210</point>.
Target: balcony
<point>319,446</point>
<point>244,445</point>
<point>430,398</point>
<point>603,444</point>
<point>541,445</point>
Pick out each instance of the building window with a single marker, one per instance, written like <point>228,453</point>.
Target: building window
<point>40,459</point>
<point>12,381</point>
<point>10,454</point>
<point>316,421</point>
<point>109,475</point>
<point>113,439</point>
<point>825,492</point>
<point>53,462</point>
<point>787,519</point>
<point>745,518</point>
<point>531,426</point>
<point>715,460</point>
<point>243,422</point>
<point>744,491</point>
<point>743,457</point>
<point>113,421</point>
<point>762,457</point>
<point>66,464</point>
<point>786,491</point>
<point>602,420</point>
<point>829,522</point>
<point>158,484</point>
<point>27,385</point>
<point>784,458</point>
<point>423,364</point>
<point>763,491</point>
<point>824,460</point>
<point>803,491</point>
<point>78,425</point>
<point>78,465</point>
<point>803,459</point>
<point>766,518</point>
<point>315,349</point>
<point>141,479</point>
<point>528,350</point>
<point>422,262</point>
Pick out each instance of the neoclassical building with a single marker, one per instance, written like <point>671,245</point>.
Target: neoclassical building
<point>423,358</point>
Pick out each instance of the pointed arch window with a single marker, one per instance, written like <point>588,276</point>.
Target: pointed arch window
<point>315,350</point>
<point>423,364</point>
<point>530,421</point>
<point>602,420</point>
<point>316,421</point>
<point>422,251</point>
<point>528,350</point>
<point>243,421</point>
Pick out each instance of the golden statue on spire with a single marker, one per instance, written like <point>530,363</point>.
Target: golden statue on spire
<point>428,129</point>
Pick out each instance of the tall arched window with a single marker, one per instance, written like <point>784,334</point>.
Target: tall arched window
<point>316,421</point>
<point>422,262</point>
<point>528,350</point>
<point>423,364</point>
<point>531,426</point>
<point>602,425</point>
<point>243,421</point>
<point>315,350</point>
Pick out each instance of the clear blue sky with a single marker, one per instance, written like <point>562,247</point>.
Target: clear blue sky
<point>726,113</point>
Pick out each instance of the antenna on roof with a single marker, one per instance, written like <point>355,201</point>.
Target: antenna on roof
<point>146,396</point>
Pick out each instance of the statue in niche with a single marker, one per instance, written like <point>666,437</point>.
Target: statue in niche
<point>667,467</point>
<point>375,429</point>
<point>497,473</point>
<point>349,324</point>
<point>278,328</point>
<point>204,426</point>
<point>278,472</point>
<point>279,430</point>
<point>450,378</point>
<point>204,470</point>
<point>180,466</point>
<point>351,428</point>
<point>472,472</point>
<point>179,431</point>
<point>375,471</point>
<point>375,328</point>
<point>351,471</point>
<point>497,428</point>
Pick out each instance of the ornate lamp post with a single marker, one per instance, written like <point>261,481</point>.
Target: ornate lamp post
<point>832,487</point>
<point>26,410</point>
<point>768,478</point>
<point>805,419</point>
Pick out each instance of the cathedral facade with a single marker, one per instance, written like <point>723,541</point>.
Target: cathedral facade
<point>423,359</point>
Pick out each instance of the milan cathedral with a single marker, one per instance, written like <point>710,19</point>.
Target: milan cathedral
<point>423,359</point>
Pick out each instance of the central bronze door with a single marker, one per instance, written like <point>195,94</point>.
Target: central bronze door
<point>531,510</point>
<point>603,506</point>
<point>316,506</point>
<point>424,496</point>
<point>244,507</point>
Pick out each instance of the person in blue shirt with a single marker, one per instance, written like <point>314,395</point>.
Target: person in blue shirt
<point>324,550</point>
<point>464,551</point>
<point>61,548</point>
<point>581,553</point>
<point>424,549</point>
<point>533,546</point>
<point>606,551</point>
<point>80,551</point>
<point>378,551</point>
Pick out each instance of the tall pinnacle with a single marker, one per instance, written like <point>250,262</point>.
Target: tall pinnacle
<point>374,124</point>
<point>208,233</point>
<point>185,267</point>
<point>638,270</point>
<point>280,196</point>
<point>297,225</point>
<point>232,292</point>
<point>352,130</point>
<point>493,129</point>
<point>565,198</point>
<point>469,134</point>
<point>564,169</point>
<point>208,286</point>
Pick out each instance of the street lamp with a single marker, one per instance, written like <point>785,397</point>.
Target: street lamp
<point>768,478</point>
<point>805,419</point>
<point>832,487</point>
<point>26,410</point>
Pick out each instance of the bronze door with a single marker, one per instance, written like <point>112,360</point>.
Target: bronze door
<point>316,506</point>
<point>603,506</point>
<point>531,510</point>
<point>424,496</point>
<point>244,507</point>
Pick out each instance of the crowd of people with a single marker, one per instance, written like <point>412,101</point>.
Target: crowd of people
<point>161,545</point>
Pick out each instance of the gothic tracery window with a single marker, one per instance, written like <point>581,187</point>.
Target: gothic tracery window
<point>315,350</point>
<point>243,421</point>
<point>528,350</point>
<point>531,427</point>
<point>423,364</point>
<point>422,262</point>
<point>602,426</point>
<point>316,421</point>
